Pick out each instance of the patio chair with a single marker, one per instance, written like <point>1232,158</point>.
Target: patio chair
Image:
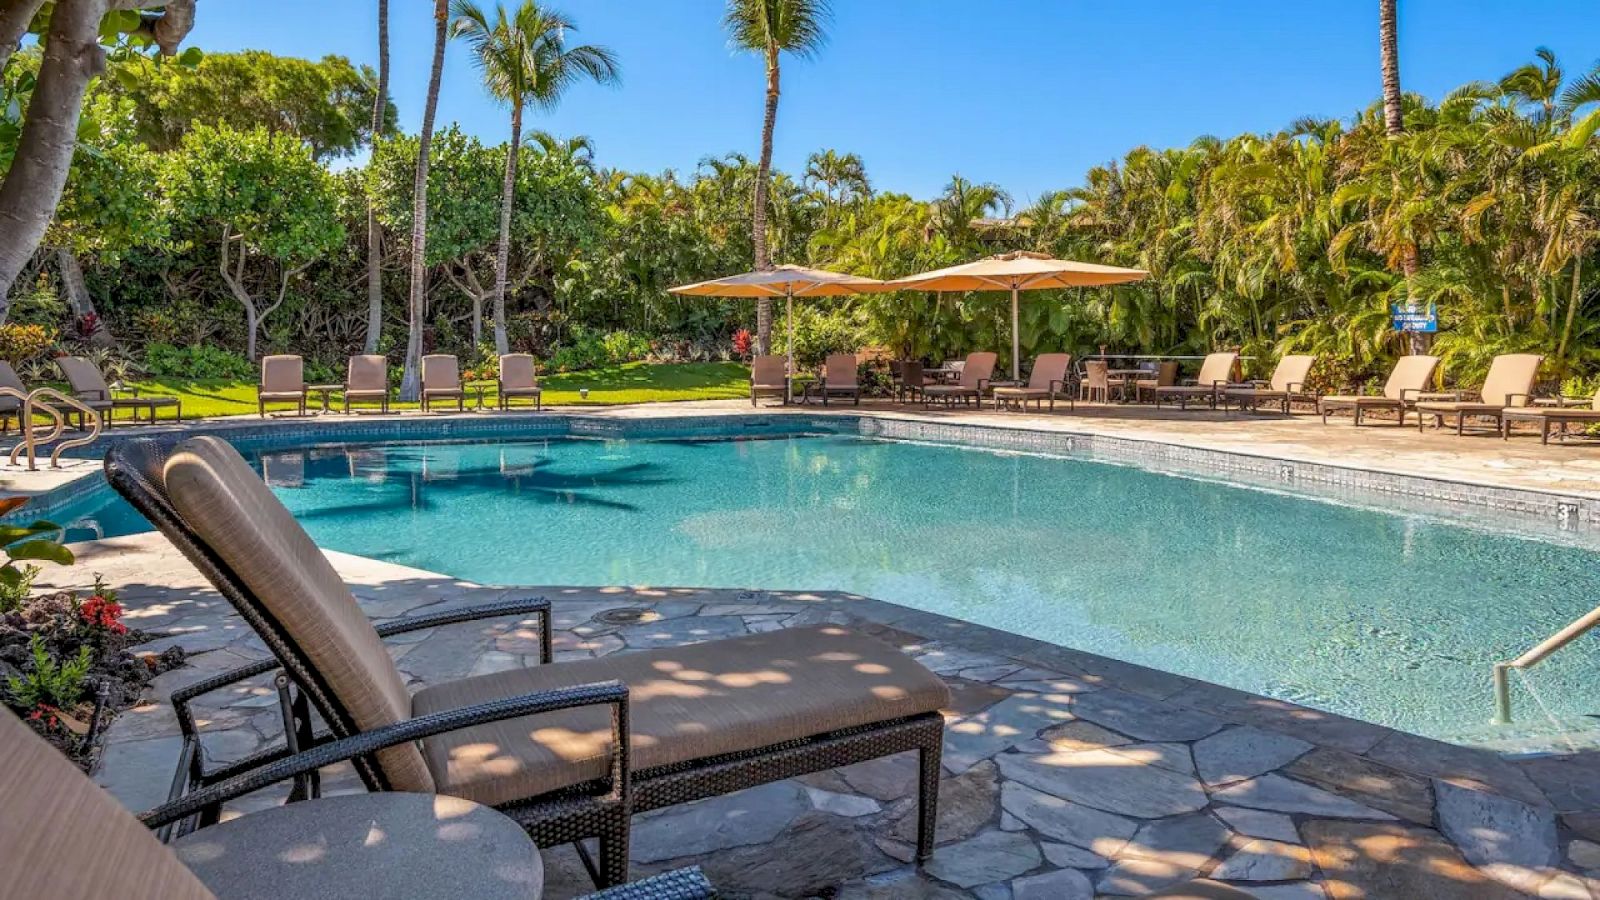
<point>1288,384</point>
<point>1561,411</point>
<point>839,378</point>
<point>1095,382</point>
<point>911,382</point>
<point>518,378</point>
<point>769,377</point>
<point>367,381</point>
<point>574,749</point>
<point>10,407</point>
<point>441,380</point>
<point>1164,375</point>
<point>88,385</point>
<point>1508,384</point>
<point>1047,381</point>
<point>977,370</point>
<point>78,841</point>
<point>283,380</point>
<point>1216,372</point>
<point>1407,382</point>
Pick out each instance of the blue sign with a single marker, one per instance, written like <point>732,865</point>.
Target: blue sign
<point>1414,317</point>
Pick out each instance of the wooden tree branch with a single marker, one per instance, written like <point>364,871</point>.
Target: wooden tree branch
<point>15,17</point>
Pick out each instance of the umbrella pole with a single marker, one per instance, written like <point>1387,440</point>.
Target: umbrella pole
<point>1016,339</point>
<point>788,347</point>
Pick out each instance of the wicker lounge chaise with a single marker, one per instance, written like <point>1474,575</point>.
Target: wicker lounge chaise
<point>519,378</point>
<point>78,841</point>
<point>1047,381</point>
<point>283,380</point>
<point>1407,384</point>
<point>839,378</point>
<point>1508,385</point>
<point>441,380</point>
<point>976,373</point>
<point>1216,373</point>
<point>367,381</point>
<point>89,386</point>
<point>768,378</point>
<point>1287,385</point>
<point>575,748</point>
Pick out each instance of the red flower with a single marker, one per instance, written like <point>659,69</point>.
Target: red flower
<point>103,613</point>
<point>742,342</point>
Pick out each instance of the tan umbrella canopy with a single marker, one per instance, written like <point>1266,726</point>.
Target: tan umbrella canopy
<point>1016,272</point>
<point>787,282</point>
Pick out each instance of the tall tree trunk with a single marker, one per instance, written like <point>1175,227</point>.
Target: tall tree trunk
<point>410,383</point>
<point>79,299</point>
<point>32,187</point>
<point>15,17</point>
<point>758,215</point>
<point>1394,124</point>
<point>380,106</point>
<point>502,256</point>
<point>1574,299</point>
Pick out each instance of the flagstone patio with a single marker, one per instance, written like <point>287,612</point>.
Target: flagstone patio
<point>1067,775</point>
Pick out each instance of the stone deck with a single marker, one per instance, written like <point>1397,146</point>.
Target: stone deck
<point>1067,775</point>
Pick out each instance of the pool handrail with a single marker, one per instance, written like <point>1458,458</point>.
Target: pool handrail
<point>34,401</point>
<point>1502,670</point>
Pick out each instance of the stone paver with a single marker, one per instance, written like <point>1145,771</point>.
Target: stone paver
<point>1066,775</point>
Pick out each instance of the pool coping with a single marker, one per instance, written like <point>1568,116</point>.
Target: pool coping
<point>1551,514</point>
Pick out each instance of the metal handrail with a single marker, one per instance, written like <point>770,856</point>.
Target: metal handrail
<point>25,425</point>
<point>93,418</point>
<point>1502,671</point>
<point>33,402</point>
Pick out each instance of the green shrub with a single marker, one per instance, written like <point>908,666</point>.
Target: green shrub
<point>625,346</point>
<point>15,590</point>
<point>51,682</point>
<point>197,362</point>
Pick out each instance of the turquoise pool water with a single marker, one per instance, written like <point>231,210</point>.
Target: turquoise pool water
<point>1388,618</point>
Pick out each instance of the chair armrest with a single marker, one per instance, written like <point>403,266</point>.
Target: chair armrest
<point>1057,384</point>
<point>1416,394</point>
<point>1295,387</point>
<point>1191,382</point>
<point>984,383</point>
<point>1511,399</point>
<point>531,606</point>
<point>613,693</point>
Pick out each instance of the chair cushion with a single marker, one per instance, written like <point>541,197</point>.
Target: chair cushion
<point>65,837</point>
<point>1021,392</point>
<point>1463,406</point>
<point>686,703</point>
<point>1573,413</point>
<point>948,389</point>
<point>282,395</point>
<point>243,523</point>
<point>1355,400</point>
<point>390,844</point>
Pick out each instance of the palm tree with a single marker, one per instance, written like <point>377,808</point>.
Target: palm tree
<point>842,177</point>
<point>576,151</point>
<point>525,59</point>
<point>1394,124</point>
<point>771,28</point>
<point>374,232</point>
<point>410,382</point>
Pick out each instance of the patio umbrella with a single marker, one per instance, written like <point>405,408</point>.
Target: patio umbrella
<point>1016,272</point>
<point>787,282</point>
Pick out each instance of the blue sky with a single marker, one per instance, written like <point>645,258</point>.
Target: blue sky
<point>1025,93</point>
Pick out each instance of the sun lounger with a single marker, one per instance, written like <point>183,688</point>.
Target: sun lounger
<point>77,841</point>
<point>1216,372</point>
<point>1047,381</point>
<point>441,380</point>
<point>1561,411</point>
<point>1287,385</point>
<point>283,380</point>
<point>519,378</point>
<point>89,386</point>
<point>1508,384</point>
<point>10,407</point>
<point>769,376</point>
<point>1165,375</point>
<point>367,381</point>
<point>839,378</point>
<point>1407,384</point>
<point>596,740</point>
<point>976,372</point>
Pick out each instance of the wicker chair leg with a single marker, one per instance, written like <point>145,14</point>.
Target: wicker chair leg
<point>614,854</point>
<point>928,796</point>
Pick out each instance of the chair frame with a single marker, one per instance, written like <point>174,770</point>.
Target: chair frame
<point>853,391</point>
<point>600,809</point>
<point>261,393</point>
<point>428,396</point>
<point>383,402</point>
<point>503,399</point>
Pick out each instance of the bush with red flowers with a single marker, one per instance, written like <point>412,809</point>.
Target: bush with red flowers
<point>742,343</point>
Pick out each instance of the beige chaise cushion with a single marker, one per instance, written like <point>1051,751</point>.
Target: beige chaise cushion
<point>62,836</point>
<point>1509,383</point>
<point>517,374</point>
<point>686,703</point>
<point>441,375</point>
<point>235,514</point>
<point>283,378</point>
<point>367,376</point>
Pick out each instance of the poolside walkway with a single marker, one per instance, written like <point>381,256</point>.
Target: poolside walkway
<point>1067,775</point>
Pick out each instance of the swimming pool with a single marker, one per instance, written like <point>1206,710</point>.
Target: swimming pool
<point>1394,619</point>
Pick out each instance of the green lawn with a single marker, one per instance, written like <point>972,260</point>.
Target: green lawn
<point>628,383</point>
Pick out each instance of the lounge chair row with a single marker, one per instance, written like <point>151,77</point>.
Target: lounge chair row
<point>88,386</point>
<point>367,381</point>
